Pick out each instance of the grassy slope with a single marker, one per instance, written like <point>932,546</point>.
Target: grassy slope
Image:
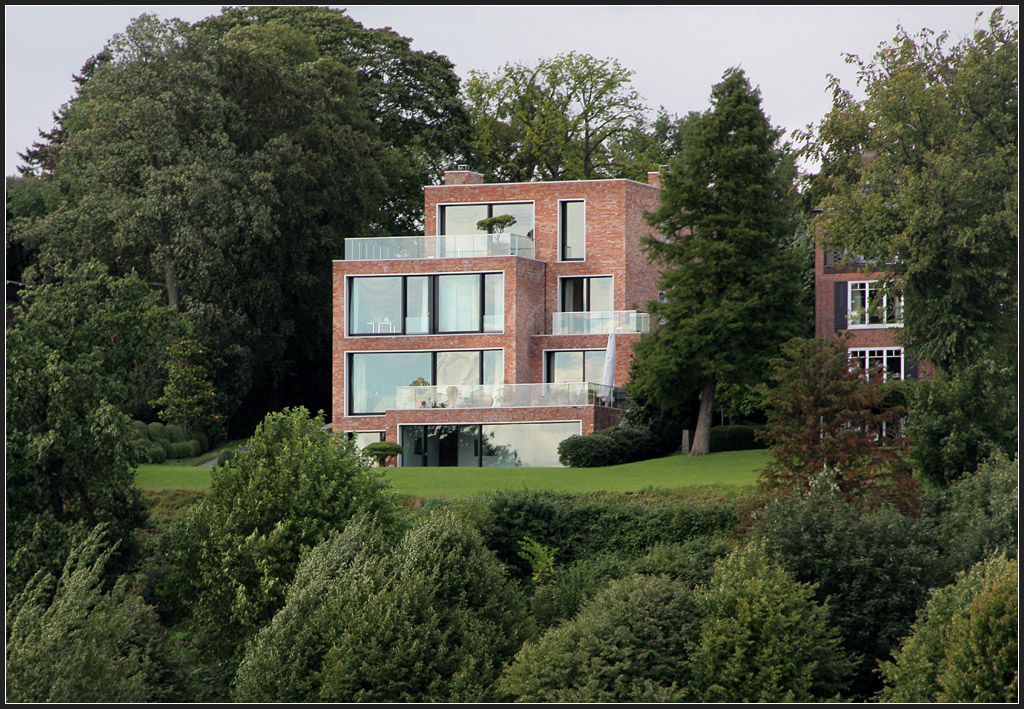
<point>735,468</point>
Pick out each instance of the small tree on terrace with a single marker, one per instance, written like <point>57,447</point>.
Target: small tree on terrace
<point>732,288</point>
<point>823,414</point>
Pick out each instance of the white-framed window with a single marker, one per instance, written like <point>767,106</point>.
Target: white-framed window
<point>871,306</point>
<point>889,359</point>
<point>572,231</point>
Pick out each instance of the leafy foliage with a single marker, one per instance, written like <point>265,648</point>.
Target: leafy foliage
<point>609,446</point>
<point>964,643</point>
<point>763,637</point>
<point>873,567</point>
<point>431,619</point>
<point>732,288</point>
<point>232,557</point>
<point>189,397</point>
<point>958,420</point>
<point>552,122</point>
<point>627,644</point>
<point>923,174</point>
<point>73,640</point>
<point>823,415</point>
<point>78,358</point>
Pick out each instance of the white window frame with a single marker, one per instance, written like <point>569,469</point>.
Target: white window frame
<point>857,320</point>
<point>864,356</point>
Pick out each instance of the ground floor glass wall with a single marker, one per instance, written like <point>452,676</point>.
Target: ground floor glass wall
<point>486,445</point>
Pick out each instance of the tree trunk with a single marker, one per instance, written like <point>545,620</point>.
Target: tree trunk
<point>702,436</point>
<point>171,283</point>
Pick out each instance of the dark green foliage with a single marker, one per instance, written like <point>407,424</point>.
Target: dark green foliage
<point>176,434</point>
<point>74,639</point>
<point>158,432</point>
<point>763,637</point>
<point>582,526</point>
<point>141,430</point>
<point>735,438</point>
<point>155,453</point>
<point>980,515</point>
<point>225,455</point>
<point>923,172</point>
<point>731,282</point>
<point>610,446</point>
<point>432,618</point>
<point>629,643</point>
<point>958,420</point>
<point>231,558</point>
<point>77,358</point>
<point>202,440</point>
<point>189,398</point>
<point>873,567</point>
<point>963,647</point>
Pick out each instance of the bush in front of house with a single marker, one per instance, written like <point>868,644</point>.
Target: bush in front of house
<point>735,438</point>
<point>611,446</point>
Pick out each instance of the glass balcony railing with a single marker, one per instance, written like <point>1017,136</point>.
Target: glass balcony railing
<point>449,246</point>
<point>600,322</point>
<point>477,396</point>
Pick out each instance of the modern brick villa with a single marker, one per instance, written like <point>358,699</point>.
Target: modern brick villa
<point>477,349</point>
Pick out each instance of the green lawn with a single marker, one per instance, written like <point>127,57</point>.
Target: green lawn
<point>736,468</point>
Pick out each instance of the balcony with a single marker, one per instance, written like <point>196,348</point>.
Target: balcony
<point>600,322</point>
<point>390,248</point>
<point>489,396</point>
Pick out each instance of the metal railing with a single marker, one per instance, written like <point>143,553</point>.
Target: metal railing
<point>389,248</point>
<point>600,322</point>
<point>477,396</point>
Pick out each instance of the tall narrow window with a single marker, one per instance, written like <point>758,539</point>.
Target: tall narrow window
<point>571,231</point>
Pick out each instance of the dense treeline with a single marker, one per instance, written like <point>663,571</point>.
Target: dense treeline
<point>177,226</point>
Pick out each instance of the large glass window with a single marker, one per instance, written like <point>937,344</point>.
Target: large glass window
<point>571,231</point>
<point>871,305</point>
<point>419,305</point>
<point>576,366</point>
<point>374,376</point>
<point>458,219</point>
<point>486,445</point>
<point>589,294</point>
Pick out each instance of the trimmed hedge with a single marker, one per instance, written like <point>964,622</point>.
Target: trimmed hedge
<point>175,433</point>
<point>155,453</point>
<point>735,438</point>
<point>612,446</point>
<point>157,432</point>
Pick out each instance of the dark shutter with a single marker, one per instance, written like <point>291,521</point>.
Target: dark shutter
<point>842,294</point>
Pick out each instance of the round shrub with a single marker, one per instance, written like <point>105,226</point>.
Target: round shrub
<point>204,442</point>
<point>155,453</point>
<point>167,446</point>
<point>196,447</point>
<point>225,455</point>
<point>583,451</point>
<point>176,433</point>
<point>158,432</point>
<point>141,430</point>
<point>181,449</point>
<point>735,438</point>
<point>611,446</point>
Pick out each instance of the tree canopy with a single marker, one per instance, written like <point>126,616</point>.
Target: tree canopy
<point>555,121</point>
<point>732,289</point>
<point>922,173</point>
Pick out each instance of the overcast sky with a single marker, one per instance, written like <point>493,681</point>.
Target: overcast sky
<point>677,52</point>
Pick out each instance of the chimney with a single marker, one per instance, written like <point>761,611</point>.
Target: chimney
<point>462,175</point>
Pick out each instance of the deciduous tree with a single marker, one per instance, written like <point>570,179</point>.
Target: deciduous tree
<point>732,290</point>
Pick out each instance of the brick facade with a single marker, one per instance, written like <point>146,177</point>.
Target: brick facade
<point>614,229</point>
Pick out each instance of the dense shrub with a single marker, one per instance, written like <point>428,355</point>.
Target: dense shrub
<point>628,644</point>
<point>763,638</point>
<point>155,453</point>
<point>175,433</point>
<point>232,557</point>
<point>201,438</point>
<point>72,641</point>
<point>874,567</point>
<point>225,455</point>
<point>581,526</point>
<point>168,447</point>
<point>611,446</point>
<point>980,515</point>
<point>735,438</point>
<point>158,432</point>
<point>964,643</point>
<point>434,619</point>
<point>141,430</point>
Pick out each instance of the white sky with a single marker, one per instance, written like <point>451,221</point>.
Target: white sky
<point>677,52</point>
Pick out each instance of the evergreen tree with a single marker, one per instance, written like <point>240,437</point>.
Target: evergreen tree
<point>732,289</point>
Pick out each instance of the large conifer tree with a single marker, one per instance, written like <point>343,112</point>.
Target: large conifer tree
<point>731,287</point>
